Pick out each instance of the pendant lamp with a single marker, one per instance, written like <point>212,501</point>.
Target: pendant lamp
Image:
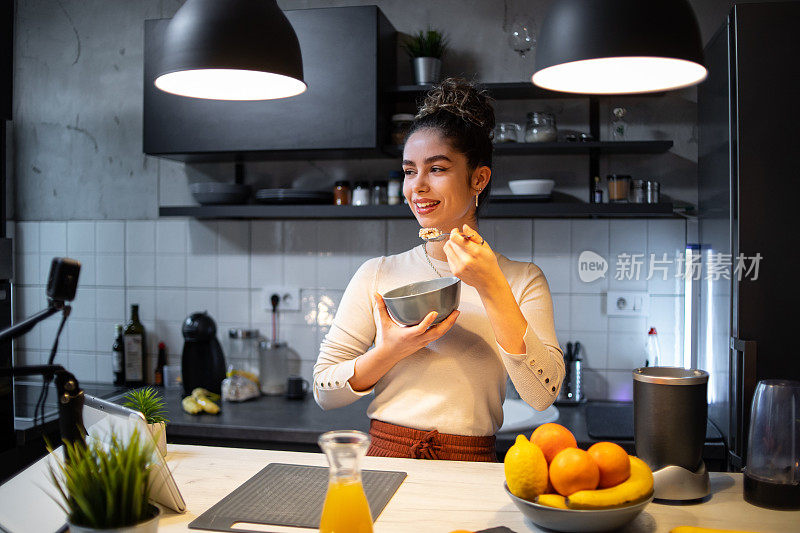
<point>619,46</point>
<point>231,50</point>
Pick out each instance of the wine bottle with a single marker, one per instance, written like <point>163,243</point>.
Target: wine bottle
<point>118,356</point>
<point>135,350</point>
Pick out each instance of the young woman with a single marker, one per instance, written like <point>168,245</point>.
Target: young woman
<point>439,390</point>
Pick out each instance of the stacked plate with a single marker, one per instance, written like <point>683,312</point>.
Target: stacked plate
<point>215,193</point>
<point>293,196</point>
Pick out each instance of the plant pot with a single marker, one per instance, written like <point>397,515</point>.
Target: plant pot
<point>159,433</point>
<point>148,526</point>
<point>426,69</point>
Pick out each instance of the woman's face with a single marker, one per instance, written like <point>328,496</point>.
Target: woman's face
<point>438,184</point>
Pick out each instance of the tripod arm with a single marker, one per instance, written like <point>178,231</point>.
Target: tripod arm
<point>26,325</point>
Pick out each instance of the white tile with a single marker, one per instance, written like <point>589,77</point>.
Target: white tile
<point>626,350</point>
<point>202,237</point>
<point>201,271</point>
<point>259,317</point>
<point>53,237</point>
<point>234,306</point>
<point>84,366</point>
<point>333,271</point>
<point>104,368</point>
<point>627,324</point>
<point>171,236</point>
<point>29,300</point>
<point>300,270</point>
<point>88,274</point>
<point>82,335</point>
<point>511,237</point>
<point>110,270</point>
<point>145,299</point>
<point>551,237</point>
<point>80,236</point>
<point>201,300</point>
<point>170,305</point>
<point>109,236</point>
<point>266,237</point>
<point>367,240</point>
<point>140,236</point>
<point>48,330</point>
<point>26,269</point>
<point>233,271</point>
<point>557,270</point>
<point>666,314</point>
<point>234,237</point>
<point>561,317</point>
<point>620,386</point>
<point>169,332</point>
<point>140,270</point>
<point>27,238</point>
<point>83,306</point>
<point>589,235</point>
<point>170,270</point>
<point>595,386</point>
<point>110,304</point>
<point>302,339</point>
<point>266,269</point>
<point>45,263</point>
<point>666,237</point>
<point>401,235</point>
<point>627,259</point>
<point>105,335</point>
<point>587,313</point>
<point>593,349</point>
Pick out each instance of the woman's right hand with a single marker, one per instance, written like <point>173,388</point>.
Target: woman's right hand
<point>403,341</point>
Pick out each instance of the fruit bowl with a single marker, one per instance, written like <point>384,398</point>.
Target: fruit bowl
<point>578,521</point>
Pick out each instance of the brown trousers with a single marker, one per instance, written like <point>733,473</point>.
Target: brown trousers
<point>390,440</point>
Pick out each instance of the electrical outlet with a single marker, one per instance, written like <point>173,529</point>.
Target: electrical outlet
<point>290,297</point>
<point>625,303</point>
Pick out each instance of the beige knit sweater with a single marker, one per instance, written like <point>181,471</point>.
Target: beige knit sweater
<point>456,384</point>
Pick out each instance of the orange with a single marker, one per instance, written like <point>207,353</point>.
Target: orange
<point>573,469</point>
<point>552,438</point>
<point>613,462</point>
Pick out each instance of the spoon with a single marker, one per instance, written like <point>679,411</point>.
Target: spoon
<point>435,235</point>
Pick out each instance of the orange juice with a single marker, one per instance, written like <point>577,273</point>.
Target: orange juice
<point>346,509</point>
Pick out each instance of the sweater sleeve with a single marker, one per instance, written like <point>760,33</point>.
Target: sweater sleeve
<point>351,334</point>
<point>537,374</point>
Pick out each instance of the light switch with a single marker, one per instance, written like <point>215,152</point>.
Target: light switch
<point>626,303</point>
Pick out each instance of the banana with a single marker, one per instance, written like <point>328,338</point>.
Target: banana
<point>190,405</point>
<point>692,529</point>
<point>638,487</point>
<point>552,500</point>
<point>201,392</point>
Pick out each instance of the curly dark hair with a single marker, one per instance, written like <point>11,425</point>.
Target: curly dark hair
<point>464,116</point>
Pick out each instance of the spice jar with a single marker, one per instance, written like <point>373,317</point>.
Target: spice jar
<point>361,193</point>
<point>506,132</point>
<point>380,193</point>
<point>243,344</point>
<point>395,188</point>
<point>541,127</point>
<point>341,193</point>
<point>636,195</point>
<point>401,122</point>
<point>652,192</point>
<point>618,186</point>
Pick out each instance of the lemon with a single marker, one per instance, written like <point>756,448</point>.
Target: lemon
<point>526,469</point>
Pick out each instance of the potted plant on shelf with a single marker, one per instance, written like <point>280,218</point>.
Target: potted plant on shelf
<point>426,50</point>
<point>148,402</point>
<point>106,488</point>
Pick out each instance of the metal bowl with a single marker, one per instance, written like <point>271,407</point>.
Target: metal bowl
<point>409,304</point>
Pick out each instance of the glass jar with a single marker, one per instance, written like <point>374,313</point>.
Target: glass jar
<point>506,132</point>
<point>540,128</point>
<point>361,193</point>
<point>380,193</point>
<point>341,193</point>
<point>273,368</point>
<point>243,344</point>
<point>636,195</point>
<point>618,186</point>
<point>346,507</point>
<point>401,122</point>
<point>395,188</point>
<point>652,192</point>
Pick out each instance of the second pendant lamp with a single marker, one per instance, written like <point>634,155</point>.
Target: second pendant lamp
<point>231,50</point>
<point>619,46</point>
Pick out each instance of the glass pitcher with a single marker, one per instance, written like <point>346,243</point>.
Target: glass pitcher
<point>346,509</point>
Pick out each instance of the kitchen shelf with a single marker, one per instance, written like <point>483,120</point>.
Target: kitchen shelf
<point>557,148</point>
<point>499,91</point>
<point>493,210</point>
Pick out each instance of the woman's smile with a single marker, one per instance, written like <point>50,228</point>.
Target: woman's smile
<point>425,206</point>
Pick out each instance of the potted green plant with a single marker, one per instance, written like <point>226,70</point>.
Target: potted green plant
<point>148,402</point>
<point>426,50</point>
<point>106,488</point>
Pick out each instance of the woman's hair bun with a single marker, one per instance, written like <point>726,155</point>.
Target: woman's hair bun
<point>461,98</point>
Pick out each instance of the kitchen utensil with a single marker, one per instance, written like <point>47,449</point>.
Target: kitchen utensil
<point>577,520</point>
<point>669,425</point>
<point>772,474</point>
<point>296,388</point>
<point>534,186</point>
<point>215,193</point>
<point>441,237</point>
<point>409,304</point>
<point>202,361</point>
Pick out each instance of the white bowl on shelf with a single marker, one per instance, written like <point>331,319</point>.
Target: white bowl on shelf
<point>536,186</point>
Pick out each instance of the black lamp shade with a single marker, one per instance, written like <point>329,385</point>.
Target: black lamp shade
<point>619,46</point>
<point>231,50</point>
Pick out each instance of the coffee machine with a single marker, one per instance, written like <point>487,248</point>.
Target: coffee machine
<point>202,362</point>
<point>670,412</point>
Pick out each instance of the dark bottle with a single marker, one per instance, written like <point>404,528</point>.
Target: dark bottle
<point>118,355</point>
<point>135,350</point>
<point>158,375</point>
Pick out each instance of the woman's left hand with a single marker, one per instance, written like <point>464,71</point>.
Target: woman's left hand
<point>471,259</point>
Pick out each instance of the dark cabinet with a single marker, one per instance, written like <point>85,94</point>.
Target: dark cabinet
<point>349,59</point>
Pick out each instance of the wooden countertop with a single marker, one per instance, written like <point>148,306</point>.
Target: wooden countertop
<point>436,497</point>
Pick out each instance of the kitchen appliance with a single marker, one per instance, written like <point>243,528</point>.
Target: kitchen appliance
<point>202,362</point>
<point>572,387</point>
<point>748,116</point>
<point>275,358</point>
<point>772,475</point>
<point>669,428</point>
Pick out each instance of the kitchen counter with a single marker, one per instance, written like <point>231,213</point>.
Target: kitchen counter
<point>437,496</point>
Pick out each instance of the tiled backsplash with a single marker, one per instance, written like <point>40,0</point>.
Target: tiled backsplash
<point>174,267</point>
